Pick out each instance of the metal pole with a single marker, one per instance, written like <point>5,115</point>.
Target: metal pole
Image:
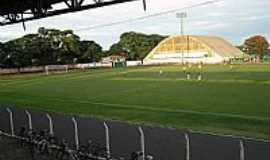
<point>76,3</point>
<point>182,34</point>
<point>188,44</point>
<point>107,134</point>
<point>76,136</point>
<point>50,123</point>
<point>144,5</point>
<point>181,16</point>
<point>182,25</point>
<point>29,120</point>
<point>142,143</point>
<point>187,147</point>
<point>182,49</point>
<point>242,150</point>
<point>11,121</point>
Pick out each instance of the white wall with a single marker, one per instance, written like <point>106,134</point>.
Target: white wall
<point>134,63</point>
<point>209,60</point>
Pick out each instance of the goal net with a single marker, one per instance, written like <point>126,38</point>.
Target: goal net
<point>56,69</point>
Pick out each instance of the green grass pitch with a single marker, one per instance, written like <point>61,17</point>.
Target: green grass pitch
<point>228,100</point>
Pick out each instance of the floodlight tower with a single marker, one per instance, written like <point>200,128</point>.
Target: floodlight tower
<point>181,16</point>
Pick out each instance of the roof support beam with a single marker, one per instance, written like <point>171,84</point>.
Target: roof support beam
<point>73,6</point>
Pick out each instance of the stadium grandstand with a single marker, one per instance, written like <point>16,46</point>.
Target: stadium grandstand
<point>193,49</point>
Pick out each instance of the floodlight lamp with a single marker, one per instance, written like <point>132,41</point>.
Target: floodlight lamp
<point>181,15</point>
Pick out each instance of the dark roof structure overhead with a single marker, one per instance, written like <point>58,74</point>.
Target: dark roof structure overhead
<point>15,11</point>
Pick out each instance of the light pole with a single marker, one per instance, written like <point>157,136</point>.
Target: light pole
<point>181,16</point>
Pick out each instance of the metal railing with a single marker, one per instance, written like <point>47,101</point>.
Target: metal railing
<point>140,154</point>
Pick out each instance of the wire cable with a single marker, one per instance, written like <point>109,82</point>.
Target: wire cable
<point>148,16</point>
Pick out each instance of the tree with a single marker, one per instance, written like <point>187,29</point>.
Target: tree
<point>2,55</point>
<point>16,55</point>
<point>69,48</point>
<point>42,51</point>
<point>64,44</point>
<point>52,46</point>
<point>136,45</point>
<point>256,45</point>
<point>116,49</point>
<point>90,51</point>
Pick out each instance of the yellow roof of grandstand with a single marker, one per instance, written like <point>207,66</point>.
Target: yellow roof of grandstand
<point>220,46</point>
<point>215,44</point>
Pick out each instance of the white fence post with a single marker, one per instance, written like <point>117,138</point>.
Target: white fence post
<point>242,150</point>
<point>187,147</point>
<point>107,134</point>
<point>142,143</point>
<point>50,123</point>
<point>76,137</point>
<point>29,120</point>
<point>47,70</point>
<point>11,121</point>
<point>66,67</point>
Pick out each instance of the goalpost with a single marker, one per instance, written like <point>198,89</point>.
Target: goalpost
<point>56,69</point>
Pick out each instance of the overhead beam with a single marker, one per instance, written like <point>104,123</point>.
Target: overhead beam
<point>69,10</point>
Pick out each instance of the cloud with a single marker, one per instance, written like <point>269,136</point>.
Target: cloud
<point>228,18</point>
<point>220,4</point>
<point>208,25</point>
<point>5,38</point>
<point>255,18</point>
<point>226,14</point>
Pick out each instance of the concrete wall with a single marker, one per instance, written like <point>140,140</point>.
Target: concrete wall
<point>134,63</point>
<point>22,70</point>
<point>54,68</point>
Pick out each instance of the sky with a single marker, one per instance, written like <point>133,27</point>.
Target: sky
<point>233,20</point>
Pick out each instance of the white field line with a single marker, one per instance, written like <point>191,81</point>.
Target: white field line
<point>164,79</point>
<point>85,76</point>
<point>34,77</point>
<point>72,76</point>
<point>157,109</point>
<point>45,79</point>
<point>67,77</point>
<point>179,111</point>
<point>141,107</point>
